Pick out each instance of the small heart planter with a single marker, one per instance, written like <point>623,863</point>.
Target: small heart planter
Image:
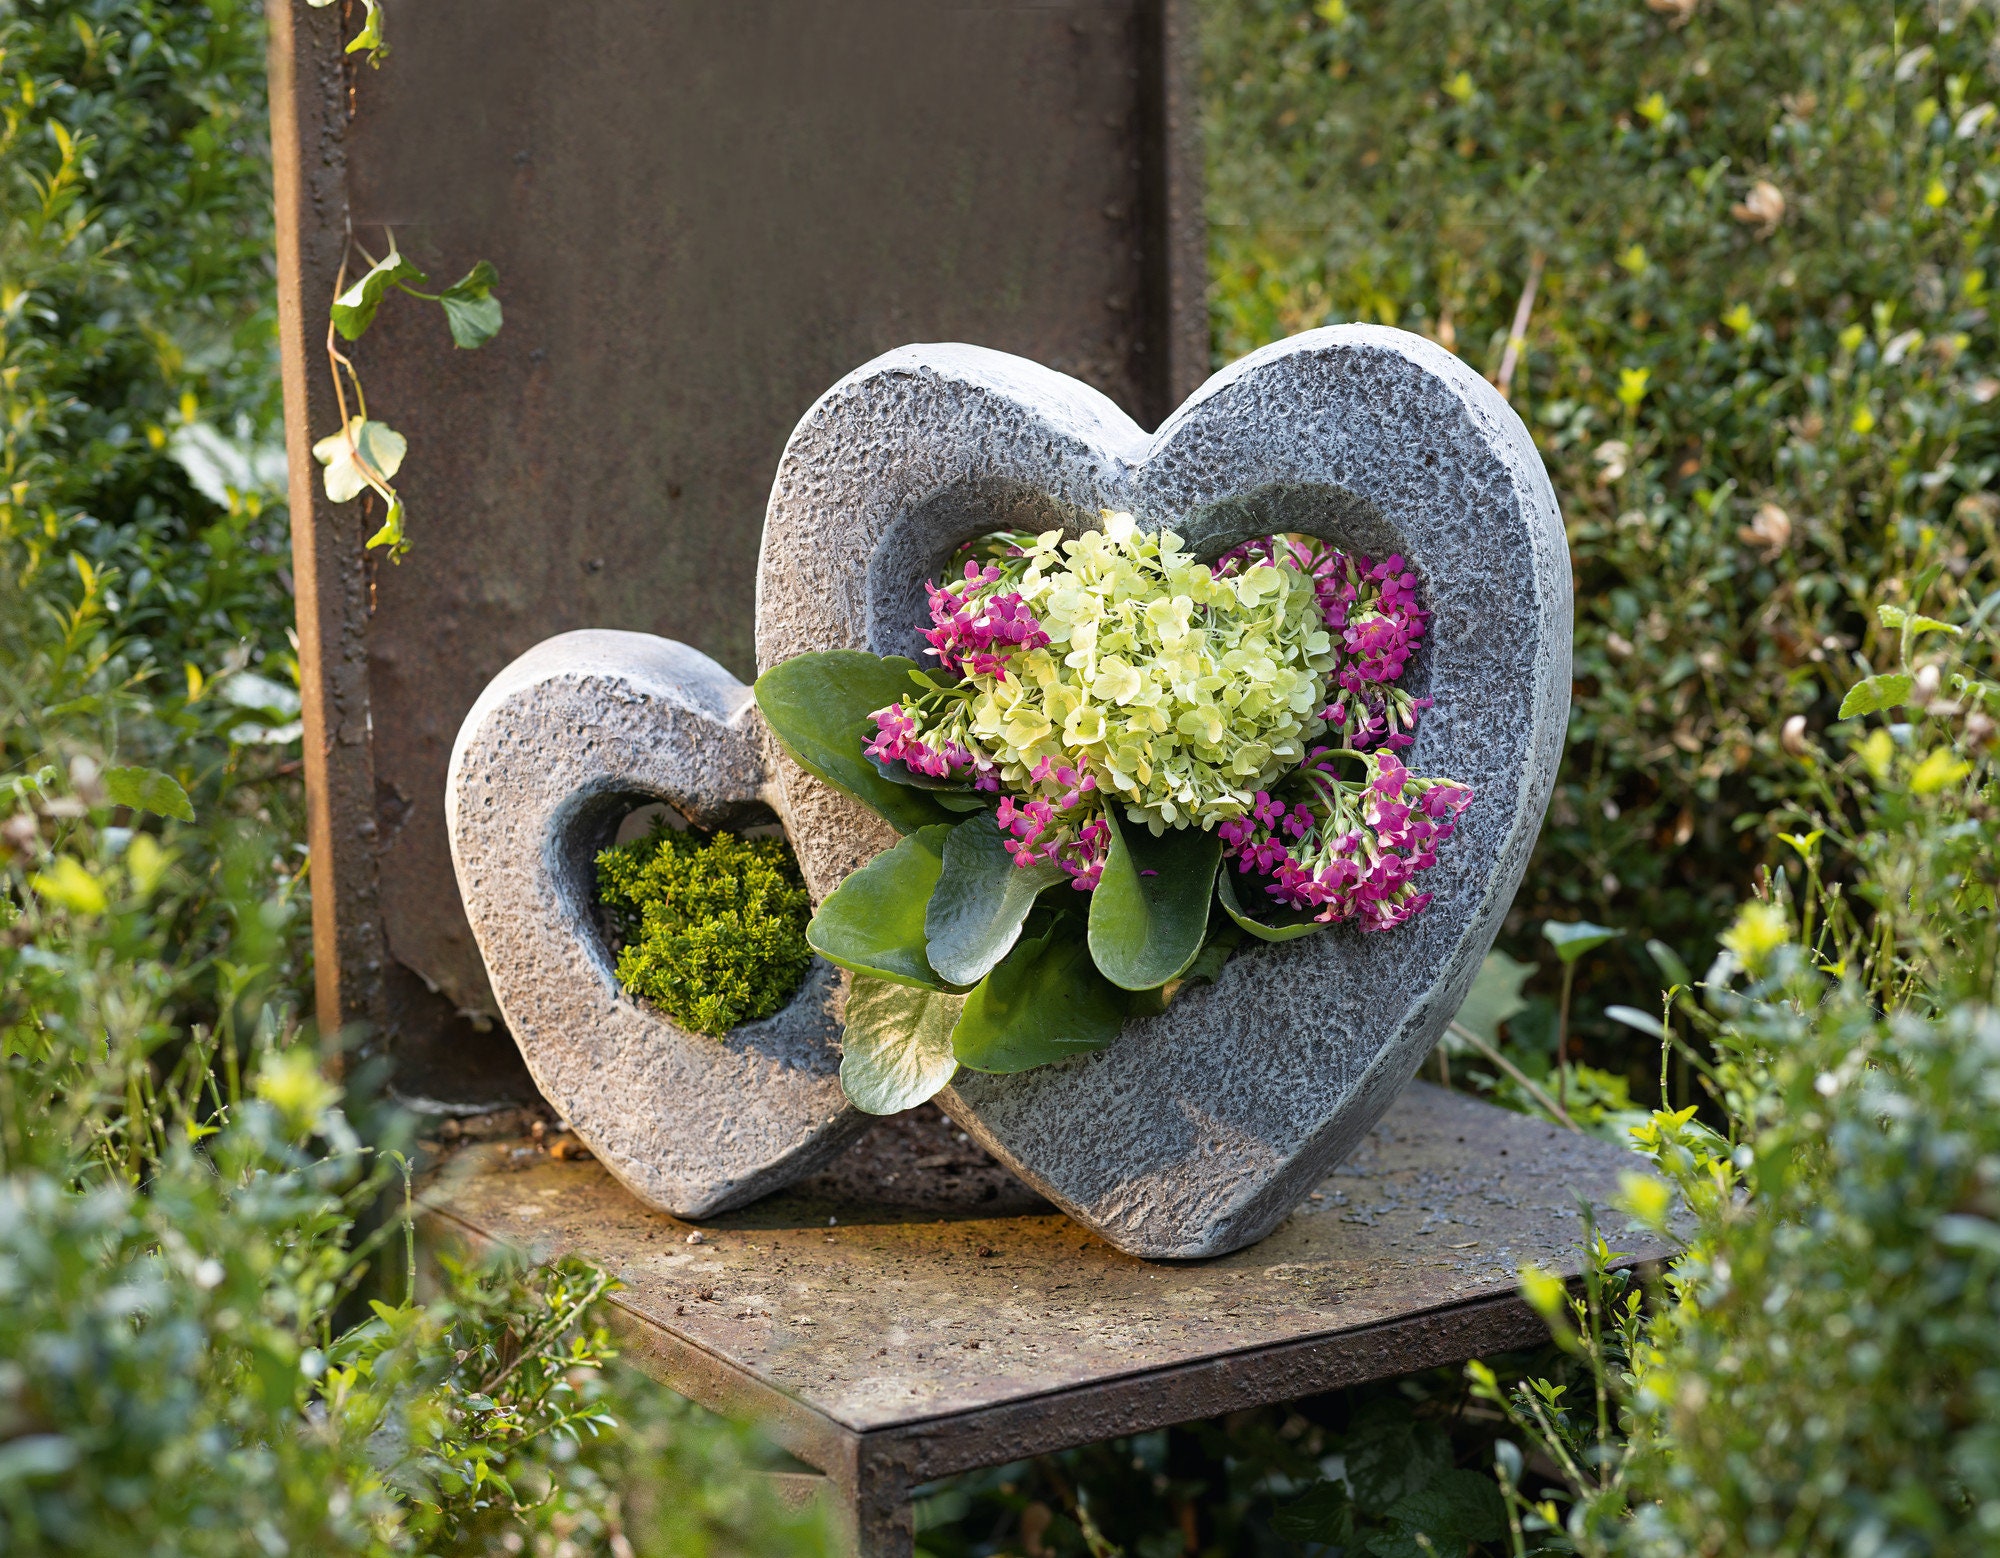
<point>1200,1129</point>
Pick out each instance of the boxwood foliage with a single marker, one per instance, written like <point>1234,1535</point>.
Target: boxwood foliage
<point>193,1218</point>
<point>1759,362</point>
<point>714,927</point>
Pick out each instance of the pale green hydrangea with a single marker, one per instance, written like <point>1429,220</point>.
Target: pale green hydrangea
<point>1184,693</point>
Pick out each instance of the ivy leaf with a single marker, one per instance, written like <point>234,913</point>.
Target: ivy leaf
<point>1573,938</point>
<point>1875,694</point>
<point>391,532</point>
<point>470,307</point>
<point>874,921</point>
<point>896,1051</point>
<point>974,917</point>
<point>147,789</point>
<point>354,309</point>
<point>1290,923</point>
<point>374,444</point>
<point>1494,997</point>
<point>1150,911</point>
<point>1044,1002</point>
<point>818,706</point>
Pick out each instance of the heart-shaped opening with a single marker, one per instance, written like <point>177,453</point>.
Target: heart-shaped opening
<point>626,821</point>
<point>915,547</point>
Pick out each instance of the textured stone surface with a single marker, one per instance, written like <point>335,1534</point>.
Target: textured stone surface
<point>561,745</point>
<point>1200,1130</point>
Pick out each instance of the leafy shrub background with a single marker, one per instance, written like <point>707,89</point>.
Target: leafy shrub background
<point>208,1338</point>
<point>1690,365</point>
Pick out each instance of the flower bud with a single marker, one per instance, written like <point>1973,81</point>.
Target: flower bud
<point>1924,688</point>
<point>1793,737</point>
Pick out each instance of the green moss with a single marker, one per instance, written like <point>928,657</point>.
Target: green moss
<point>714,927</point>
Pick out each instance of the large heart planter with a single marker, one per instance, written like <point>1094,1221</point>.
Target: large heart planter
<point>1199,1130</point>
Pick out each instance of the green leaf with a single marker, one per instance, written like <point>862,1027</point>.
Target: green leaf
<point>896,1051</point>
<point>818,707</point>
<point>1494,997</point>
<point>1323,1513</point>
<point>1456,1506</point>
<point>354,309</point>
<point>470,307</point>
<point>1205,969</point>
<point>974,917</point>
<point>1150,910</point>
<point>1044,1002</point>
<point>363,447</point>
<point>147,789</point>
<point>1897,617</point>
<point>1573,938</point>
<point>1875,694</point>
<point>874,921</point>
<point>1669,964</point>
<point>1638,1021</point>
<point>1290,923</point>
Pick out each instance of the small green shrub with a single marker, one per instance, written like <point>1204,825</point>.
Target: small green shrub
<point>714,928</point>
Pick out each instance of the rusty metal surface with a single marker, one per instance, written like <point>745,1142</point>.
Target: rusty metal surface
<point>983,1328</point>
<point>702,216</point>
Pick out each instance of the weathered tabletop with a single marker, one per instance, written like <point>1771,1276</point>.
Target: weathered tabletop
<point>916,1311</point>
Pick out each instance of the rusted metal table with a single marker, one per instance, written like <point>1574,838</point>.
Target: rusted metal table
<point>916,1311</point>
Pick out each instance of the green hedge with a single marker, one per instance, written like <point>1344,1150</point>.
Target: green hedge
<point>1757,412</point>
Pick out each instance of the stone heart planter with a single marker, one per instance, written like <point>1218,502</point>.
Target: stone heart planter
<point>1199,1130</point>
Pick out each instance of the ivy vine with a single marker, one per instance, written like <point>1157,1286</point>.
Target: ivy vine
<point>365,455</point>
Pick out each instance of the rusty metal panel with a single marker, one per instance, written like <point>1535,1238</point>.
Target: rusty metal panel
<point>703,214</point>
<point>914,1312</point>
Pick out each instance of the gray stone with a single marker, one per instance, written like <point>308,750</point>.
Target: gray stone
<point>559,748</point>
<point>1198,1131</point>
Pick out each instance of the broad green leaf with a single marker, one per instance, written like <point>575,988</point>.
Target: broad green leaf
<point>1494,997</point>
<point>1456,1507</point>
<point>974,917</point>
<point>1638,1021</point>
<point>1044,1002</point>
<point>1323,1513</point>
<point>362,445</point>
<point>1573,938</point>
<point>896,1051</point>
<point>470,307</point>
<point>1205,969</point>
<point>1150,910</point>
<point>1285,924</point>
<point>147,789</point>
<point>874,921</point>
<point>1875,694</point>
<point>818,707</point>
<point>354,309</point>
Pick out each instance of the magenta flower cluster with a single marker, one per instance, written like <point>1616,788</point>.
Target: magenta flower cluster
<point>975,633</point>
<point>1355,855</point>
<point>1371,610</point>
<point>898,740</point>
<point>1062,824</point>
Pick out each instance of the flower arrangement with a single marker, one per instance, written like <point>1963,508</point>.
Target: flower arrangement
<point>1115,735</point>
